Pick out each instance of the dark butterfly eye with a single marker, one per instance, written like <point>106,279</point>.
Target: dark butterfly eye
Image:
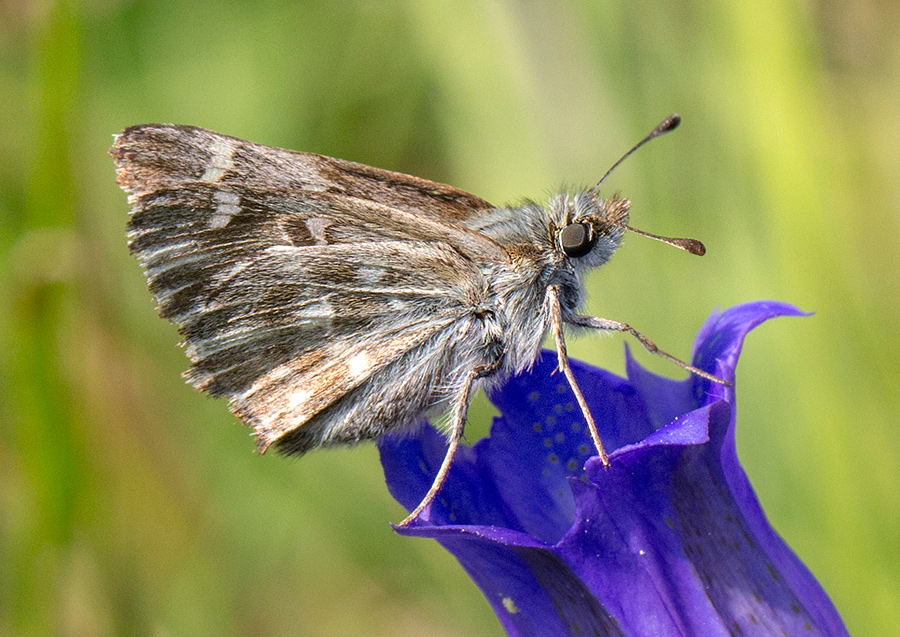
<point>576,239</point>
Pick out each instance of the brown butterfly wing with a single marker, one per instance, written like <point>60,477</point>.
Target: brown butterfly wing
<point>294,296</point>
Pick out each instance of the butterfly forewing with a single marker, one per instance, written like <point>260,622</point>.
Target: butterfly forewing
<point>291,298</point>
<point>164,155</point>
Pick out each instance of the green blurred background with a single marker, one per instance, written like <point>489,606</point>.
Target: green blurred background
<point>129,504</point>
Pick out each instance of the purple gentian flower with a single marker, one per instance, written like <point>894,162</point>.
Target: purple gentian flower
<point>669,540</point>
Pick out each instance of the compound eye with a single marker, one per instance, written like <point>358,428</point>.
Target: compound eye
<point>576,239</point>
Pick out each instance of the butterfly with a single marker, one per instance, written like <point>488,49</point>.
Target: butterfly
<point>332,302</point>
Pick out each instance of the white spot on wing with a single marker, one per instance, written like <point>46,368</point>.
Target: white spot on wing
<point>358,365</point>
<point>221,160</point>
<point>226,197</point>
<point>299,398</point>
<point>369,275</point>
<point>316,226</point>
<point>229,205</point>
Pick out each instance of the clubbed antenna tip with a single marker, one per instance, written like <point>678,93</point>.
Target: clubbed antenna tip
<point>688,245</point>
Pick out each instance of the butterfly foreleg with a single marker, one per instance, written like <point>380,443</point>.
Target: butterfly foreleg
<point>554,310</point>
<point>617,326</point>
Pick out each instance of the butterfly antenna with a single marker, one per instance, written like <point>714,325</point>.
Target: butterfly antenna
<point>669,123</point>
<point>688,245</point>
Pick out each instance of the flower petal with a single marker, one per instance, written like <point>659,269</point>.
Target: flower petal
<point>670,539</point>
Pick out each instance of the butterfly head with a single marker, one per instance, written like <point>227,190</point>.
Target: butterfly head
<point>592,229</point>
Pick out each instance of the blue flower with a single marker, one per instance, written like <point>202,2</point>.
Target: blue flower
<point>669,540</point>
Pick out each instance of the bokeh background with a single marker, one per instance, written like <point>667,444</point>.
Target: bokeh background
<point>129,504</point>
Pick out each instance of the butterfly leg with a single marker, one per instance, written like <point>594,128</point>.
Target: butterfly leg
<point>556,322</point>
<point>650,346</point>
<point>457,427</point>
